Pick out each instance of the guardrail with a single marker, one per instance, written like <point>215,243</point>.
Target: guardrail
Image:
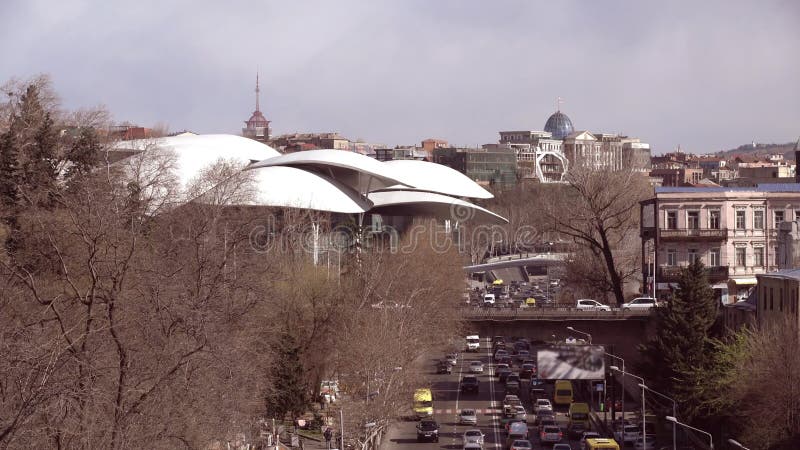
<point>549,313</point>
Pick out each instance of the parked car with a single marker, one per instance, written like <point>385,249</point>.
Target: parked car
<point>473,436</point>
<point>428,429</point>
<point>550,434</point>
<point>470,383</point>
<point>587,304</point>
<point>542,404</point>
<point>476,367</point>
<point>468,417</point>
<point>640,303</point>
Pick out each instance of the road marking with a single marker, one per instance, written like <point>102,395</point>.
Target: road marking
<point>458,394</point>
<point>493,402</point>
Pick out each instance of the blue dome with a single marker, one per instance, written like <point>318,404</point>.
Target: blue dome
<point>559,125</point>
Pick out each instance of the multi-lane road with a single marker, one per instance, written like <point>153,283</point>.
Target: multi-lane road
<point>448,401</point>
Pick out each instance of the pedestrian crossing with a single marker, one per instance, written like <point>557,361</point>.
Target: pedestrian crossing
<point>486,411</point>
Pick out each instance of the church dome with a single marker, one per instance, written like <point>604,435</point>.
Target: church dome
<point>559,125</point>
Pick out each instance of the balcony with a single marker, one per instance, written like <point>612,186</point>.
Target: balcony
<point>693,234</point>
<point>671,274</point>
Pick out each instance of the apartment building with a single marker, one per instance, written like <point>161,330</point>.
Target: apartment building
<point>733,231</point>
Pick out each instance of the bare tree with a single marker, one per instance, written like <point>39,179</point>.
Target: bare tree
<point>599,211</point>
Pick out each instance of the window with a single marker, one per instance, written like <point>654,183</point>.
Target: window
<point>713,219</point>
<point>692,255</point>
<point>693,220</point>
<point>672,220</point>
<point>758,256</point>
<point>713,257</point>
<point>672,257</point>
<point>740,219</point>
<point>778,218</point>
<point>740,256</point>
<point>758,219</point>
<point>771,299</point>
<point>797,214</point>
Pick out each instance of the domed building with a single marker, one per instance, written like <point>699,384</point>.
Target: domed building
<point>559,125</point>
<point>257,127</point>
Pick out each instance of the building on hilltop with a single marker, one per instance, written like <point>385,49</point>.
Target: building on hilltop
<point>257,126</point>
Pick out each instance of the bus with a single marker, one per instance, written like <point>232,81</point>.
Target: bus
<point>563,392</point>
<point>423,403</point>
<point>601,444</point>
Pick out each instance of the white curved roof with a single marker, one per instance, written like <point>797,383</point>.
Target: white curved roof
<point>353,169</point>
<point>297,188</point>
<point>427,176</point>
<point>418,203</point>
<point>193,153</point>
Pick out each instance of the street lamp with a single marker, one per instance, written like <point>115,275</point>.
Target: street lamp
<point>623,382</point>
<point>674,413</point>
<point>644,423</point>
<point>581,332</point>
<point>710,438</point>
<point>737,444</point>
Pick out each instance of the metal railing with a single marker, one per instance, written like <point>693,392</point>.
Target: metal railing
<point>700,233</point>
<point>548,313</point>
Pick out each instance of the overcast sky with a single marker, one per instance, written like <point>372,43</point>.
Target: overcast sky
<point>706,75</point>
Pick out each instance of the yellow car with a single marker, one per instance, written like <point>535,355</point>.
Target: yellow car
<point>530,301</point>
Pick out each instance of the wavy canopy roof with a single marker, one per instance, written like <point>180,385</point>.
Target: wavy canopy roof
<point>429,204</point>
<point>426,176</point>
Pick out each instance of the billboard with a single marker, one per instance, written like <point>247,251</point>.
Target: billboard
<point>571,362</point>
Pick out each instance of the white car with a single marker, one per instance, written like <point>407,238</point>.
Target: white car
<point>475,436</point>
<point>476,367</point>
<point>640,303</point>
<point>489,300</point>
<point>542,404</point>
<point>587,304</point>
<point>468,417</point>
<point>628,434</point>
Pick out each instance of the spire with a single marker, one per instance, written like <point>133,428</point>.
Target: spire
<point>559,101</point>
<point>257,92</point>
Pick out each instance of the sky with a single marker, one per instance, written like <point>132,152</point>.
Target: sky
<point>702,75</point>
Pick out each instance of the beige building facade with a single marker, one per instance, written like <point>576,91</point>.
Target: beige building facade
<point>733,231</point>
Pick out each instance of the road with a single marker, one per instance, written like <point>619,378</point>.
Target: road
<point>448,401</point>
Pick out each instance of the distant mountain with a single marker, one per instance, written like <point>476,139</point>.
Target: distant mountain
<point>761,150</point>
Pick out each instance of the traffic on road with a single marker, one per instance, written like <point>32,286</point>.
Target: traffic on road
<point>491,398</point>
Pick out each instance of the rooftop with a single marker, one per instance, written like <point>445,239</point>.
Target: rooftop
<point>774,187</point>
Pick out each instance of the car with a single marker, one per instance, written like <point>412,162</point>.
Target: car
<point>545,415</point>
<point>521,444</point>
<point>511,400</point>
<point>548,421</point>
<point>427,429</point>
<point>588,435</point>
<point>510,422</point>
<point>500,353</point>
<point>550,434</point>
<point>562,446</point>
<point>472,446</point>
<point>530,302</point>
<point>512,383</point>
<point>500,366</point>
<point>473,435</point>
<point>470,383</point>
<point>587,304</point>
<point>542,404</point>
<point>489,300</point>
<point>527,371</point>
<point>476,367</point>
<point>468,417</point>
<point>522,355</point>
<point>576,429</point>
<point>640,303</point>
<point>646,443</point>
<point>444,367</point>
<point>504,359</point>
<point>503,373</point>
<point>451,359</point>
<point>627,434</point>
<point>519,413</point>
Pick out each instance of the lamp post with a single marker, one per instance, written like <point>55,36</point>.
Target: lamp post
<point>644,423</point>
<point>674,413</point>
<point>737,444</point>
<point>710,438</point>
<point>582,332</point>
<point>623,383</point>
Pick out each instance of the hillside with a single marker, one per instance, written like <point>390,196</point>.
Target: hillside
<point>759,150</point>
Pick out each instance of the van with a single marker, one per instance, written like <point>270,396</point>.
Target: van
<point>601,444</point>
<point>473,343</point>
<point>488,300</point>
<point>579,413</point>
<point>562,392</point>
<point>423,403</point>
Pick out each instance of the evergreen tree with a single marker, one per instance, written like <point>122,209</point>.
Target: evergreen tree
<point>83,154</point>
<point>290,387</point>
<point>9,171</point>
<point>674,360</point>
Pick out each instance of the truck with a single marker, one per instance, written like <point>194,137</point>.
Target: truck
<point>473,343</point>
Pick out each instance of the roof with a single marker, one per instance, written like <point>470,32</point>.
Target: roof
<point>788,274</point>
<point>439,178</point>
<point>766,187</point>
